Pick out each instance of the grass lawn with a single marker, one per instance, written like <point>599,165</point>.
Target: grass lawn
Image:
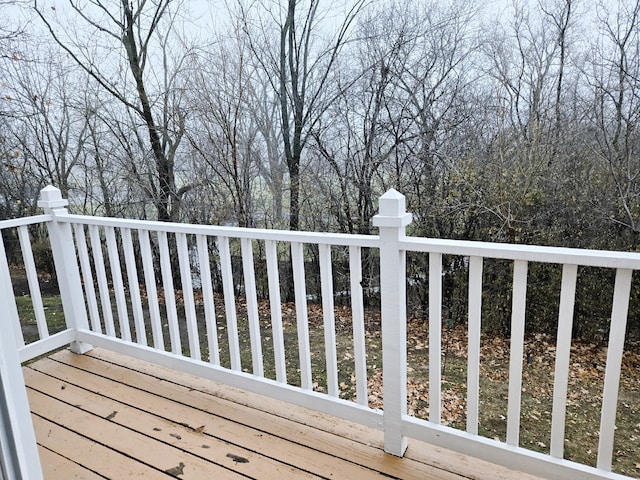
<point>52,310</point>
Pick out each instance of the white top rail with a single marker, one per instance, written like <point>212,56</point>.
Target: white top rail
<point>370,241</point>
<point>19,222</point>
<point>546,254</point>
<point>531,253</point>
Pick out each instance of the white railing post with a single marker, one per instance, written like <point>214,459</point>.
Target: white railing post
<point>19,457</point>
<point>392,220</point>
<point>18,450</point>
<point>67,270</point>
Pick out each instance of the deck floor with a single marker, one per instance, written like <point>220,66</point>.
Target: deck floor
<point>104,415</point>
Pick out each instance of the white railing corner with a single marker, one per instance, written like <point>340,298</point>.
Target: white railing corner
<point>392,220</point>
<point>66,264</point>
<point>18,450</point>
<point>19,458</point>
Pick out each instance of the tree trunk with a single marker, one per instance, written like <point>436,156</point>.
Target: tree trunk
<point>165,201</point>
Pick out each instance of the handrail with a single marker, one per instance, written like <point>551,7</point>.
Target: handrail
<point>533,253</point>
<point>339,239</point>
<point>24,221</point>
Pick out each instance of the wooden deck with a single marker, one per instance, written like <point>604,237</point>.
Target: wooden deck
<point>104,415</point>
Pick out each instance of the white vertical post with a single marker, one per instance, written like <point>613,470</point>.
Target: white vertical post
<point>248,267</point>
<point>7,298</point>
<point>563,356</point>
<point>302,316</point>
<point>187,296</point>
<point>357,314</point>
<point>207,300</point>
<point>229,303</point>
<point>328,314</point>
<point>32,278</point>
<point>67,270</point>
<point>518,311</point>
<point>18,450</point>
<point>435,337</point>
<point>101,277</point>
<point>169,294</point>
<point>87,276</point>
<point>473,362</point>
<point>271,252</point>
<point>392,221</point>
<point>134,286</point>
<point>118,283</point>
<point>152,289</point>
<point>615,350</point>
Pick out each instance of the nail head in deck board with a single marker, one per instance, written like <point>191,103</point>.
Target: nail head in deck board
<point>249,419</point>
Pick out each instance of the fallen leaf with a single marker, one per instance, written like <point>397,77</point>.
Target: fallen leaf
<point>175,471</point>
<point>237,459</point>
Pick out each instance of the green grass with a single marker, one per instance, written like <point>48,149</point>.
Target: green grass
<point>52,310</point>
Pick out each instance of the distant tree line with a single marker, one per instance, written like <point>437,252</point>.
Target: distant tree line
<point>518,125</point>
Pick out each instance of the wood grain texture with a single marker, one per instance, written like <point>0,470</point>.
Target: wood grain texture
<point>104,415</point>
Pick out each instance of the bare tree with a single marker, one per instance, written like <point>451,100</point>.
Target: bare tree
<point>9,31</point>
<point>527,58</point>
<point>561,13</point>
<point>271,164</point>
<point>47,129</point>
<point>224,132</point>
<point>114,154</point>
<point>300,72</point>
<point>616,86</point>
<point>134,29</point>
<point>358,137</point>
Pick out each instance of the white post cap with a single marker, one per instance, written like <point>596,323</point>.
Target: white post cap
<point>392,206</point>
<point>51,197</point>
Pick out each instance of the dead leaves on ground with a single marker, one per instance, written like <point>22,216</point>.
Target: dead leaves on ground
<point>586,377</point>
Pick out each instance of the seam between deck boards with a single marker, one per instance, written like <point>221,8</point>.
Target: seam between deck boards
<point>198,394</point>
<point>407,468</point>
<point>360,472</point>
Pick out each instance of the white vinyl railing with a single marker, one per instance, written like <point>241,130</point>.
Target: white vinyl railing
<point>19,457</point>
<point>114,275</point>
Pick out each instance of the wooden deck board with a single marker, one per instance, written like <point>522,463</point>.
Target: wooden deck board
<point>61,468</point>
<point>117,417</point>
